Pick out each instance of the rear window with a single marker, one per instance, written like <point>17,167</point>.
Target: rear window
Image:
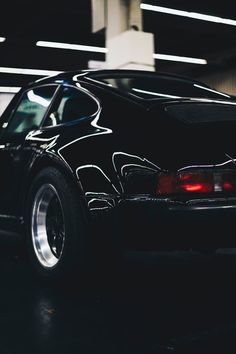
<point>153,86</point>
<point>193,113</point>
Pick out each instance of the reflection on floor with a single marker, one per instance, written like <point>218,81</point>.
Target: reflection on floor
<point>179,303</point>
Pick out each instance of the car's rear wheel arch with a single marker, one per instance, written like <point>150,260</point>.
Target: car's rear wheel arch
<point>43,163</point>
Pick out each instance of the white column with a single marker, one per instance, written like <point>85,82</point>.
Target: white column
<point>128,46</point>
<point>117,17</point>
<point>135,15</point>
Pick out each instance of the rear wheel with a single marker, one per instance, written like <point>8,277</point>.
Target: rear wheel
<point>58,238</point>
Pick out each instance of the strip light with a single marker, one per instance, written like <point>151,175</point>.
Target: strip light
<point>105,50</point>
<point>7,89</point>
<point>86,48</point>
<point>179,58</point>
<point>188,14</point>
<point>39,72</point>
<point>2,39</point>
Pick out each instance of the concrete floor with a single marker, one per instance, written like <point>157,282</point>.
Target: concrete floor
<point>179,303</point>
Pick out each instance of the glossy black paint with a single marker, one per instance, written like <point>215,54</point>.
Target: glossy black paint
<point>114,156</point>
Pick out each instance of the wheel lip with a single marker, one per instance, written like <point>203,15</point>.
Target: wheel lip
<point>39,239</point>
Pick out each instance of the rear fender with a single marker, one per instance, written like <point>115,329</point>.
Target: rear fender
<point>36,165</point>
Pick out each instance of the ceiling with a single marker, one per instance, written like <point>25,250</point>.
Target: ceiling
<point>29,21</point>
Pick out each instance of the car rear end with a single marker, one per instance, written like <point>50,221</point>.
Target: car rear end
<point>192,204</point>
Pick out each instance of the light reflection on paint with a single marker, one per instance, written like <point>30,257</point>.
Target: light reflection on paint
<point>37,99</point>
<point>98,168</point>
<point>214,91</point>
<point>154,93</point>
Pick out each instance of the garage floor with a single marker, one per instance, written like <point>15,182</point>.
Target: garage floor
<point>179,303</point>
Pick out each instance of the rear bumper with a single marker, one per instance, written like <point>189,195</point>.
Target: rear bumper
<point>154,224</point>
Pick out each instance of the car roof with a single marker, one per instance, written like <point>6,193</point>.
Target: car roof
<point>95,77</point>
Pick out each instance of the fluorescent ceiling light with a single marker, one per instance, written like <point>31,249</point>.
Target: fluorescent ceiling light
<point>39,72</point>
<point>179,58</point>
<point>86,48</point>
<point>189,14</point>
<point>6,89</point>
<point>105,50</point>
<point>2,39</point>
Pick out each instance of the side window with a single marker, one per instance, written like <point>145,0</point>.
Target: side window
<point>31,109</point>
<point>72,105</point>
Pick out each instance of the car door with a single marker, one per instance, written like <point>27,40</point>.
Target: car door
<point>28,114</point>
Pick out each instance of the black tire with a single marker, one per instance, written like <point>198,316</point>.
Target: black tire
<point>70,247</point>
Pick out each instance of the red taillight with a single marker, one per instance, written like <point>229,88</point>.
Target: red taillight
<point>166,183</point>
<point>195,182</point>
<point>202,181</point>
<point>197,187</point>
<point>227,186</point>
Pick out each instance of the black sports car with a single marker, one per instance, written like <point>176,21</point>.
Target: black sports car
<point>117,160</point>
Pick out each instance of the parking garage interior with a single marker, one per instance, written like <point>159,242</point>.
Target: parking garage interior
<point>172,302</point>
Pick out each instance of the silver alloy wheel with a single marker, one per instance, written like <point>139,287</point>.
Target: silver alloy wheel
<point>48,227</point>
